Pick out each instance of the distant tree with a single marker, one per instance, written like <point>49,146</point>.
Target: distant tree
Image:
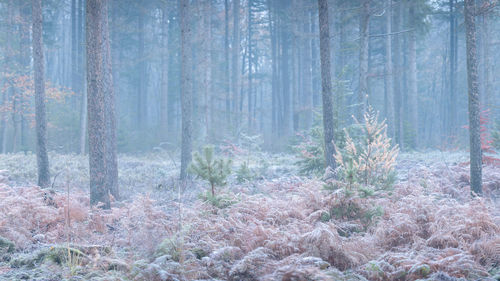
<point>326,83</point>
<point>388,85</point>
<point>41,119</point>
<point>186,93</point>
<point>473,88</point>
<point>364,21</point>
<point>412,74</point>
<point>235,48</point>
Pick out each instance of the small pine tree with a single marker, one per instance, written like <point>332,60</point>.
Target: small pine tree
<point>372,160</point>
<point>214,170</point>
<point>311,152</point>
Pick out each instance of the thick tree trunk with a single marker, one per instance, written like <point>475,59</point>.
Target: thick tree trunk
<point>186,93</point>
<point>363,58</point>
<point>473,89</point>
<point>412,76</point>
<point>41,119</point>
<point>96,90</point>
<point>326,83</point>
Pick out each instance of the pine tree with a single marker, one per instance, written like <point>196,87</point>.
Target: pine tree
<point>373,159</point>
<point>212,169</point>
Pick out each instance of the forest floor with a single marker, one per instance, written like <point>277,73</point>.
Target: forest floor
<point>275,226</point>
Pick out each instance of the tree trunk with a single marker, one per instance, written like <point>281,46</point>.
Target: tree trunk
<point>164,76</point>
<point>142,87</point>
<point>250,81</point>
<point>235,54</point>
<point>110,111</point>
<point>388,85</point>
<point>363,58</point>
<point>82,78</point>
<point>226,63</point>
<point>473,88</point>
<point>42,158</point>
<point>96,89</point>
<point>452,112</point>
<point>307,91</point>
<point>396,70</point>
<point>412,76</point>
<point>326,83</point>
<point>186,93</point>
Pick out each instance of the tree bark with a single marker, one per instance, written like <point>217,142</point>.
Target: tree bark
<point>186,93</point>
<point>326,83</point>
<point>41,119</point>
<point>473,89</point>
<point>99,190</point>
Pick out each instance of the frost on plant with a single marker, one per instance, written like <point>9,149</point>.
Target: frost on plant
<point>209,168</point>
<point>372,160</point>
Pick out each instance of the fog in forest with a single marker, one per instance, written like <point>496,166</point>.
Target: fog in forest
<point>249,140</point>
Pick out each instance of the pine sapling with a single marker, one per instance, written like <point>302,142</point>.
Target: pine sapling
<point>212,169</point>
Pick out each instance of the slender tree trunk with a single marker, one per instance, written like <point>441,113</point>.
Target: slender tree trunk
<point>235,58</point>
<point>226,63</point>
<point>285,80</point>
<point>388,85</point>
<point>250,81</point>
<point>142,93</point>
<point>110,110</point>
<point>363,58</point>
<point>96,90</point>
<point>412,79</point>
<point>74,47</point>
<point>326,83</point>
<point>41,119</point>
<point>473,88</point>
<point>186,93</point>
<point>82,78</point>
<point>274,75</point>
<point>164,76</point>
<point>452,112</point>
<point>307,92</point>
<point>398,124</point>
<point>314,63</point>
